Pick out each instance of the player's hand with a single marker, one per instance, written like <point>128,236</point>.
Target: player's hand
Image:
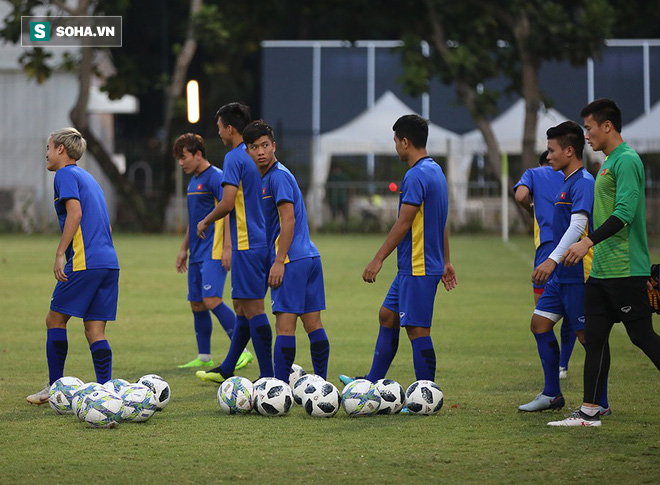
<point>226,258</point>
<point>58,268</point>
<point>449,277</point>
<point>372,269</point>
<point>276,275</point>
<point>576,252</point>
<point>543,272</point>
<point>201,227</point>
<point>182,261</point>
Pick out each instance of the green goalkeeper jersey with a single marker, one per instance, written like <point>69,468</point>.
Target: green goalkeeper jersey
<point>619,191</point>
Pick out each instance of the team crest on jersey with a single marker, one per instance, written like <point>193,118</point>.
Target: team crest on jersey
<point>603,172</point>
<point>562,196</point>
<point>263,191</point>
<point>199,186</point>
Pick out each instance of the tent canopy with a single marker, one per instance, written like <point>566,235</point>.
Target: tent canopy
<point>643,134</point>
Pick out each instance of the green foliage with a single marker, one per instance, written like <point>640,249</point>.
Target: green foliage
<point>35,64</point>
<point>487,365</point>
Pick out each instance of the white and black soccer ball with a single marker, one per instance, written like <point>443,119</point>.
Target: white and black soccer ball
<point>139,403</point>
<point>296,373</point>
<point>116,385</point>
<point>360,398</point>
<point>424,397</point>
<point>321,399</point>
<point>235,395</point>
<point>79,401</point>
<point>159,387</point>
<point>105,409</point>
<point>392,396</point>
<point>272,397</point>
<point>300,384</point>
<point>61,393</point>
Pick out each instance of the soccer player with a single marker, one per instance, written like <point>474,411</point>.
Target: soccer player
<point>422,245</point>
<point>241,199</point>
<point>535,192</point>
<point>564,291</point>
<point>86,266</point>
<point>616,288</point>
<point>210,258</point>
<point>296,273</point>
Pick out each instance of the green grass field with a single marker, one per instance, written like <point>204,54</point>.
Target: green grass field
<point>487,366</point>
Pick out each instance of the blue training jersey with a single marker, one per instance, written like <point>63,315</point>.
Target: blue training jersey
<point>576,195</point>
<point>204,193</point>
<point>246,220</point>
<point>279,185</point>
<point>422,250</point>
<point>92,246</point>
<point>543,184</point>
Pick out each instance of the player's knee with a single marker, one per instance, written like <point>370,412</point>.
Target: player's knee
<point>55,320</point>
<point>388,318</point>
<point>417,332</point>
<point>94,333</point>
<point>211,302</point>
<point>580,336</point>
<point>198,306</point>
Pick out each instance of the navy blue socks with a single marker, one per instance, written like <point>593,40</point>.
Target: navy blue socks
<point>548,348</point>
<point>57,347</point>
<point>239,339</point>
<point>102,358</point>
<point>387,344</point>
<point>226,317</point>
<point>424,358</point>
<point>203,330</point>
<point>319,347</point>
<point>262,341</point>
<point>284,356</point>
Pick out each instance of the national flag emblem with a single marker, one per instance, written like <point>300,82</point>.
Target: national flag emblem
<point>199,186</point>
<point>263,191</point>
<point>562,196</point>
<point>603,172</point>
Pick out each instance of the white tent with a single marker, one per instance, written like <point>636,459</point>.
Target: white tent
<point>369,132</point>
<point>643,134</point>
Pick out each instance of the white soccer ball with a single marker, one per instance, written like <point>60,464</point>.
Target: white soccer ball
<point>159,387</point>
<point>79,401</point>
<point>116,385</point>
<point>104,409</point>
<point>301,383</point>
<point>235,395</point>
<point>360,398</point>
<point>296,373</point>
<point>272,397</point>
<point>424,397</point>
<point>61,394</point>
<point>321,399</point>
<point>139,403</point>
<point>392,396</point>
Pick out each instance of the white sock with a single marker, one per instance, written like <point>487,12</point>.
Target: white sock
<point>204,357</point>
<point>589,411</point>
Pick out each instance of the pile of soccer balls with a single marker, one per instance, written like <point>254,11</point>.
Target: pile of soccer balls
<point>321,399</point>
<point>106,405</point>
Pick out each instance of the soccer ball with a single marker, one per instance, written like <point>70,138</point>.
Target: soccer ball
<point>272,397</point>
<point>296,373</point>
<point>392,396</point>
<point>159,387</point>
<point>79,401</point>
<point>300,385</point>
<point>139,403</point>
<point>424,397</point>
<point>321,399</point>
<point>61,394</point>
<point>104,409</point>
<point>360,398</point>
<point>235,395</point>
<point>116,385</point>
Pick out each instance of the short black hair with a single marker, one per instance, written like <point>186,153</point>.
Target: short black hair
<point>256,130</point>
<point>234,114</point>
<point>543,158</point>
<point>413,127</point>
<point>604,109</point>
<point>568,133</point>
<point>191,142</point>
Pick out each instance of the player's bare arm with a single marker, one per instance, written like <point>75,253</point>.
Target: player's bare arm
<point>182,257</point>
<point>524,200</point>
<point>543,271</point>
<point>396,235</point>
<point>226,247</point>
<point>224,207</point>
<point>71,225</point>
<point>449,275</point>
<point>287,227</point>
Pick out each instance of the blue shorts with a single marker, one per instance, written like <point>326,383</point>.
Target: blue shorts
<point>206,279</point>
<point>565,299</point>
<point>542,253</point>
<point>90,294</point>
<point>412,297</point>
<point>302,288</point>
<point>249,273</point>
